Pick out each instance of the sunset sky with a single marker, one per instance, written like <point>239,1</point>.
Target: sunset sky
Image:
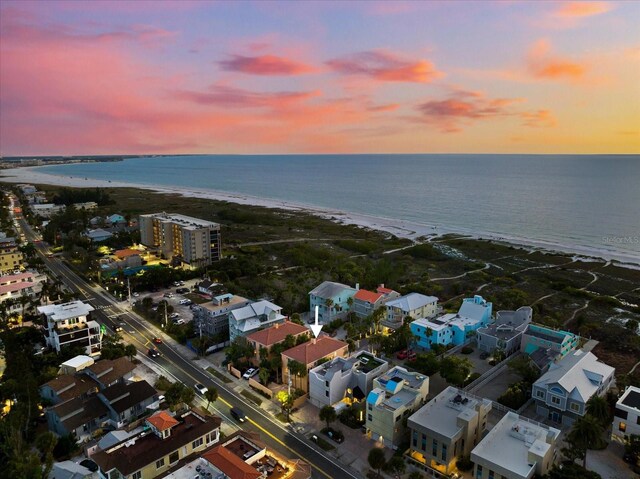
<point>319,77</point>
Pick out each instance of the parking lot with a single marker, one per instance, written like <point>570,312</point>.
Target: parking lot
<point>173,298</point>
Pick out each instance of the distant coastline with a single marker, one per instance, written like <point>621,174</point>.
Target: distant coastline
<point>399,228</point>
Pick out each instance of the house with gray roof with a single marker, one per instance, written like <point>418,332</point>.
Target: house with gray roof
<point>343,381</point>
<point>413,305</point>
<point>561,394</point>
<point>253,317</point>
<point>332,300</point>
<point>506,332</point>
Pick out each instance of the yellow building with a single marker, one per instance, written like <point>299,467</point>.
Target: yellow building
<point>152,452</point>
<point>10,258</point>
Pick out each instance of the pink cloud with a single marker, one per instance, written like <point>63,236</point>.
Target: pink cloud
<point>583,9</point>
<point>385,66</point>
<point>463,108</point>
<point>265,65</point>
<point>231,97</point>
<point>543,64</point>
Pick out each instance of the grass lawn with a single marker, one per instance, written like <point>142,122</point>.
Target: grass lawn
<point>220,376</point>
<point>251,397</point>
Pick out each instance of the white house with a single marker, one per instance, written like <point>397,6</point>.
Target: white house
<point>253,317</point>
<point>69,324</point>
<point>626,419</point>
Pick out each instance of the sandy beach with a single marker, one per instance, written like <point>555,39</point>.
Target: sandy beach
<point>399,228</point>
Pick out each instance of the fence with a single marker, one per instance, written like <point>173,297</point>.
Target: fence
<point>233,371</point>
<point>490,374</point>
<point>259,387</point>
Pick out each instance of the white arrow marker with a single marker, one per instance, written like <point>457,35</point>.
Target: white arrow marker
<point>316,328</point>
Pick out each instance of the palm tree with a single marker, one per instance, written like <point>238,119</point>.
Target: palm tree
<point>350,302</point>
<point>586,434</point>
<point>130,351</point>
<point>329,304</point>
<point>264,375</point>
<point>598,408</point>
<point>328,414</point>
<point>211,395</point>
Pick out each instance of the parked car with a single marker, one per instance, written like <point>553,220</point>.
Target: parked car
<point>185,302</point>
<point>411,356</point>
<point>402,354</point>
<point>135,295</point>
<point>153,353</point>
<point>484,355</point>
<point>178,321</point>
<point>168,295</point>
<point>174,316</point>
<point>238,414</point>
<point>182,290</point>
<point>201,388</point>
<point>249,373</point>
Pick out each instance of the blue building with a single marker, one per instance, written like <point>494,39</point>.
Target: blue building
<point>336,294</point>
<point>452,328</point>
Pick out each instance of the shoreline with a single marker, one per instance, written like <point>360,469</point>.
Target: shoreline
<point>399,228</point>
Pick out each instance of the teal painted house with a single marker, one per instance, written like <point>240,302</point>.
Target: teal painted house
<point>337,293</point>
<point>545,345</point>
<point>451,328</point>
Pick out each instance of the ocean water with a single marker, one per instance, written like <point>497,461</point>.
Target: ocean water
<point>578,202</point>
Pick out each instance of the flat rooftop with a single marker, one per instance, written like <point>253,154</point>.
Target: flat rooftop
<point>631,397</point>
<point>442,412</point>
<point>400,399</point>
<point>508,444</point>
<point>183,220</point>
<point>60,312</point>
<point>197,468</point>
<point>233,303</point>
<point>413,380</point>
<point>446,320</point>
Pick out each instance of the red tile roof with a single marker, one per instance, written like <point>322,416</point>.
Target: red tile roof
<point>125,253</point>
<point>162,421</point>
<point>383,290</point>
<point>230,464</point>
<point>312,351</point>
<point>277,333</point>
<point>369,296</point>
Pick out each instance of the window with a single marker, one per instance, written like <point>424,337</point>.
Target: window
<point>622,414</point>
<point>398,418</point>
<point>197,443</point>
<point>326,393</point>
<point>555,400</point>
<point>434,448</point>
<point>414,439</point>
<point>444,452</point>
<point>159,463</point>
<point>540,394</point>
<point>478,471</point>
<point>424,442</point>
<point>369,417</point>
<point>622,426</point>
<point>575,407</point>
<point>491,474</point>
<point>174,457</point>
<point>137,475</point>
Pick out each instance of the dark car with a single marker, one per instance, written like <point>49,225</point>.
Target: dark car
<point>157,340</point>
<point>153,353</point>
<point>484,355</point>
<point>238,414</point>
<point>182,290</point>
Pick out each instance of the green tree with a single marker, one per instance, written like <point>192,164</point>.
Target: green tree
<point>376,459</point>
<point>455,370</point>
<point>130,351</point>
<point>211,396</point>
<point>264,375</point>
<point>585,434</point>
<point>187,395</point>
<point>45,443</point>
<point>329,304</point>
<point>328,415</point>
<point>598,408</point>
<point>396,465</point>
<point>286,403</point>
<point>571,471</point>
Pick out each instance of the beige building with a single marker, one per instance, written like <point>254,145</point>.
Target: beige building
<point>395,395</point>
<point>448,426</point>
<point>516,448</point>
<point>181,239</point>
<point>154,451</point>
<point>10,257</point>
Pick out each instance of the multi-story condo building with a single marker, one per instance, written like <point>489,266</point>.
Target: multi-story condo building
<point>68,324</point>
<point>516,448</point>
<point>165,441</point>
<point>545,345</point>
<point>332,300</point>
<point>452,328</point>
<point>626,418</point>
<point>181,239</point>
<point>561,394</point>
<point>413,305</point>
<point>506,332</point>
<point>253,317</point>
<point>310,354</point>
<point>395,395</point>
<point>14,286</point>
<point>212,318</point>
<point>344,380</point>
<point>10,256</point>
<point>447,427</point>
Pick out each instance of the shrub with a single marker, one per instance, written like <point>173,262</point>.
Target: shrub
<point>464,463</point>
<point>466,350</point>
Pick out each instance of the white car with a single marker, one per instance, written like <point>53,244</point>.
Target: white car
<point>201,388</point>
<point>250,373</point>
<point>185,301</point>
<point>178,321</point>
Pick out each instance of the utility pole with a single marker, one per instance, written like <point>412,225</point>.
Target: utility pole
<point>165,314</point>
<point>129,291</point>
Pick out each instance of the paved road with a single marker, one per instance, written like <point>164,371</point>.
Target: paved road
<point>139,332</point>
